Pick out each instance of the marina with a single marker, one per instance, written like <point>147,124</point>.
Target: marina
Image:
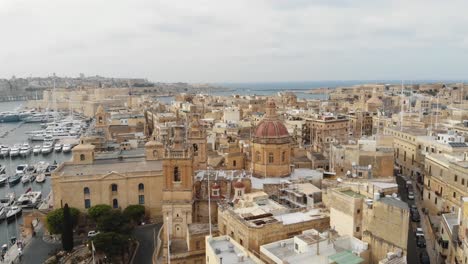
<point>26,164</point>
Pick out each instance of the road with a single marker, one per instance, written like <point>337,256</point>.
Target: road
<point>37,251</point>
<point>145,236</point>
<point>413,250</point>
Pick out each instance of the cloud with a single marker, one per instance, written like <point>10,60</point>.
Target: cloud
<point>216,41</point>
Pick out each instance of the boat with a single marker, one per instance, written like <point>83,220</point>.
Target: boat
<point>41,167</point>
<point>37,149</point>
<point>21,169</point>
<point>29,199</point>
<point>3,179</point>
<point>4,152</point>
<point>47,148</point>
<point>13,212</point>
<point>25,150</point>
<point>8,200</point>
<point>66,148</point>
<point>6,117</point>
<point>28,177</point>
<point>50,169</point>
<point>2,169</point>
<point>3,212</point>
<point>40,178</point>
<point>15,179</point>
<point>14,151</point>
<point>58,147</point>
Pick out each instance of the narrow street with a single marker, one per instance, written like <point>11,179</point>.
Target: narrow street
<point>413,250</point>
<point>37,250</point>
<point>145,236</point>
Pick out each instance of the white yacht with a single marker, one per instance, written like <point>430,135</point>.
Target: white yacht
<point>14,151</point>
<point>21,169</point>
<point>41,167</point>
<point>66,148</point>
<point>29,199</point>
<point>4,151</point>
<point>37,149</point>
<point>25,150</point>
<point>13,212</point>
<point>47,148</point>
<point>58,147</point>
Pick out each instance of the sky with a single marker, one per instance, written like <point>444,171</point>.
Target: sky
<point>235,41</point>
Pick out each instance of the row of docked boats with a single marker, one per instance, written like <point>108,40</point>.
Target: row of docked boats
<point>26,174</point>
<point>28,116</point>
<point>25,149</point>
<point>10,207</point>
<point>69,127</point>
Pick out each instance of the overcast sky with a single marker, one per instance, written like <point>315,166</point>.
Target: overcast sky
<point>236,40</point>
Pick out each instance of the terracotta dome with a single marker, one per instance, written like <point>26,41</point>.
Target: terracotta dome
<point>215,186</point>
<point>239,184</point>
<point>271,129</point>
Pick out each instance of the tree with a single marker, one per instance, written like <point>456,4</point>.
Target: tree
<point>54,220</point>
<point>67,236</point>
<point>134,212</point>
<point>111,243</point>
<point>98,210</point>
<point>114,221</point>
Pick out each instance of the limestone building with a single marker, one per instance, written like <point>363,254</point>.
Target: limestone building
<point>271,146</point>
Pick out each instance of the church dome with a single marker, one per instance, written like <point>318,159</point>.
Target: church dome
<point>374,100</point>
<point>271,129</point>
<point>239,184</point>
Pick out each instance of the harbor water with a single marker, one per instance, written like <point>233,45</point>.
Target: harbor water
<point>15,133</point>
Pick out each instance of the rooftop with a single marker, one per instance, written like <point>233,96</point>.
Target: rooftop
<point>345,257</point>
<point>353,194</point>
<point>107,166</point>
<point>394,202</point>
<point>229,251</point>
<point>450,220</point>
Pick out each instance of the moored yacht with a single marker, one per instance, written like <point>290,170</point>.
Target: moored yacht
<point>14,151</point>
<point>66,148</point>
<point>37,149</point>
<point>15,179</point>
<point>25,150</point>
<point>58,147</point>
<point>29,199</point>
<point>47,148</point>
<point>21,169</point>
<point>13,212</point>
<point>4,151</point>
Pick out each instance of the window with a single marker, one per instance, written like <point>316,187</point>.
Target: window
<point>454,194</point>
<point>195,149</point>
<point>176,174</point>
<point>141,187</point>
<point>241,242</point>
<point>114,187</point>
<point>455,178</point>
<point>233,163</point>
<point>141,199</point>
<point>270,157</point>
<point>463,181</point>
<point>357,228</point>
<point>283,156</point>
<point>239,193</point>
<point>435,200</point>
<point>82,157</point>
<point>429,195</point>
<point>257,156</point>
<point>87,203</point>
<point>296,246</point>
<point>115,203</point>
<point>86,190</point>
<point>358,211</point>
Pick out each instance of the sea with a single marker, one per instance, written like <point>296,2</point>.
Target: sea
<point>15,133</point>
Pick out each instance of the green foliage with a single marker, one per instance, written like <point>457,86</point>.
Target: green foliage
<point>55,220</point>
<point>111,243</point>
<point>114,221</point>
<point>67,236</point>
<point>98,210</point>
<point>134,212</point>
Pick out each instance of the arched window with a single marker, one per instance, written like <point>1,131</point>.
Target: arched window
<point>155,153</point>
<point>270,157</point>
<point>114,187</point>
<point>257,156</point>
<point>141,187</point>
<point>115,203</point>
<point>86,190</point>
<point>100,119</point>
<point>195,149</point>
<point>176,174</point>
<point>82,157</point>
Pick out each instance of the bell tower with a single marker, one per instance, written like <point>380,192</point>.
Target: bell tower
<point>177,188</point>
<point>101,117</point>
<point>197,141</point>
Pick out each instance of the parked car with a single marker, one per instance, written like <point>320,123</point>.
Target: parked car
<point>411,195</point>
<point>424,257</point>
<point>421,242</point>
<point>408,183</point>
<point>419,232</point>
<point>415,217</point>
<point>92,233</point>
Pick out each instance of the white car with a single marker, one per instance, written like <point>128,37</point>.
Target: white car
<point>93,233</point>
<point>411,195</point>
<point>419,232</point>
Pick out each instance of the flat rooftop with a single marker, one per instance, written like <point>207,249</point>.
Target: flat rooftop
<point>451,220</point>
<point>228,251</point>
<point>353,194</point>
<point>106,166</point>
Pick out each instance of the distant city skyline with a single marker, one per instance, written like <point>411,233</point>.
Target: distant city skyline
<point>236,41</point>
